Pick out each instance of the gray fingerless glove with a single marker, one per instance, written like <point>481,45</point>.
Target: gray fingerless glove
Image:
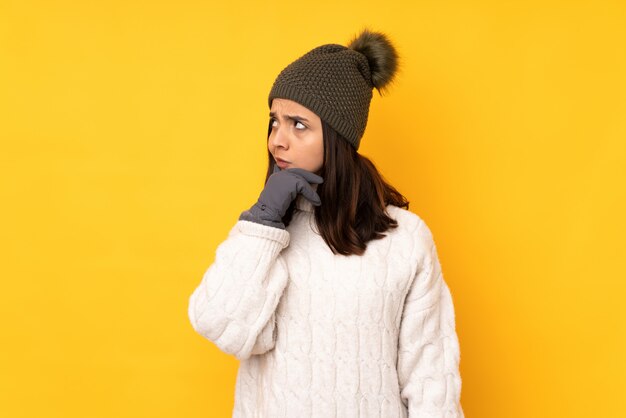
<point>281,188</point>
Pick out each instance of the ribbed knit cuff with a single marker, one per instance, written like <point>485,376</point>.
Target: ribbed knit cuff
<point>264,231</point>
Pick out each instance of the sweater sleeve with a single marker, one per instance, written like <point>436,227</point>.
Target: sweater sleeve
<point>234,304</point>
<point>428,347</point>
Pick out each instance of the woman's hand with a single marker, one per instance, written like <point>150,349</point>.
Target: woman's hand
<point>281,188</point>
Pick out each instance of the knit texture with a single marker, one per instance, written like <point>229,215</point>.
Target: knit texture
<point>335,83</point>
<point>324,335</point>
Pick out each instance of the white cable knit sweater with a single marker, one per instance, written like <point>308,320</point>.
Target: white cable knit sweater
<point>324,335</point>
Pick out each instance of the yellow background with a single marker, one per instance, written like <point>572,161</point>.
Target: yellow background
<point>133,135</point>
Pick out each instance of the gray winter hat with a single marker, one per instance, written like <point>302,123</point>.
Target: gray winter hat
<point>335,82</point>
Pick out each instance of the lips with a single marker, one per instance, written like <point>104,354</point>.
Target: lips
<point>281,163</point>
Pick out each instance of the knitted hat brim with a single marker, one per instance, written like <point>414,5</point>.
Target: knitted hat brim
<point>290,92</point>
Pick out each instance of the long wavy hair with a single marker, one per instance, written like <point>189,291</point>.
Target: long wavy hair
<point>354,197</point>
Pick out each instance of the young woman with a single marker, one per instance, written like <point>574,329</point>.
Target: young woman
<point>328,289</point>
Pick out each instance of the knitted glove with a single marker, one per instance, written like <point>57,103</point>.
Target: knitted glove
<point>281,188</point>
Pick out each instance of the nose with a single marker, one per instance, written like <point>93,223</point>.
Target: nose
<point>279,138</point>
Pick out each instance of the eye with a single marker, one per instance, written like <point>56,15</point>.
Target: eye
<point>303,126</point>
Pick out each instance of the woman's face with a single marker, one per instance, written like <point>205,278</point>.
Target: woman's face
<point>296,136</point>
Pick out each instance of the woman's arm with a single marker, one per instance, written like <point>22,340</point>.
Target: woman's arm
<point>428,351</point>
<point>234,304</point>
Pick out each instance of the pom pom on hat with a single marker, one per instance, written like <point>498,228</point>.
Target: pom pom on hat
<point>381,56</point>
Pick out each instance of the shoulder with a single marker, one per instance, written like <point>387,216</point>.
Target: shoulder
<point>408,221</point>
<point>414,230</point>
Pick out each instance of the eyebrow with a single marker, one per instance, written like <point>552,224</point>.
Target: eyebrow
<point>293,117</point>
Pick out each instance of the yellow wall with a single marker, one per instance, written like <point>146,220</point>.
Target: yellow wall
<point>132,136</point>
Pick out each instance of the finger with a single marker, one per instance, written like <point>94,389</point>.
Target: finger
<point>308,192</point>
<point>308,176</point>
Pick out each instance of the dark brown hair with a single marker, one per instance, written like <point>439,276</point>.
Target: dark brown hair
<point>354,197</point>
